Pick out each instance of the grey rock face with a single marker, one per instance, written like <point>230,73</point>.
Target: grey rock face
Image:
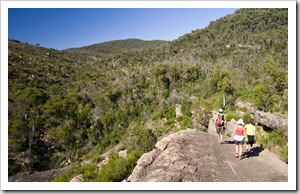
<point>196,156</point>
<point>169,162</point>
<point>272,121</point>
<point>211,126</point>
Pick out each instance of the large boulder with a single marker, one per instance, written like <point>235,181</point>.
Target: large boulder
<point>231,126</point>
<point>211,126</point>
<point>272,121</point>
<point>170,163</point>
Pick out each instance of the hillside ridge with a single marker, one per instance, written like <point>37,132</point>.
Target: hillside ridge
<point>114,47</point>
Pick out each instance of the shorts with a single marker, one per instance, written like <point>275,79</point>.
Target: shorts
<point>251,139</point>
<point>239,140</point>
<point>220,130</point>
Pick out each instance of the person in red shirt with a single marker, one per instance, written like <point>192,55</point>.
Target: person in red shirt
<point>239,136</point>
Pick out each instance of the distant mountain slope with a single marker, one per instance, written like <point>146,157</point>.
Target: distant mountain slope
<point>35,66</point>
<point>117,47</point>
<point>233,29</point>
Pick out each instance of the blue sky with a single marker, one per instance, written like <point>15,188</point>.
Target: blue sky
<point>62,28</point>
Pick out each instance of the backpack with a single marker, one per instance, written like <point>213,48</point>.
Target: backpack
<point>219,120</point>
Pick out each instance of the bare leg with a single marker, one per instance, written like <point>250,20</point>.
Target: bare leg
<point>236,150</point>
<point>240,149</point>
<point>221,137</point>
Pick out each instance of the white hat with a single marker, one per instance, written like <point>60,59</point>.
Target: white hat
<point>220,110</point>
<point>240,122</point>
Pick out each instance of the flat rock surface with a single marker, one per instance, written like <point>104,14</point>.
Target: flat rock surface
<point>196,156</point>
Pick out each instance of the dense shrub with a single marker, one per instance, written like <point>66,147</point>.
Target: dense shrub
<point>118,168</point>
<point>275,141</point>
<point>139,138</point>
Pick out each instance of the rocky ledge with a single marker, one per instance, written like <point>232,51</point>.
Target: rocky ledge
<point>195,156</point>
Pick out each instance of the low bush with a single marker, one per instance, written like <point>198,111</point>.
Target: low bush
<point>230,116</point>
<point>275,141</point>
<point>186,122</point>
<point>118,168</point>
<point>74,170</point>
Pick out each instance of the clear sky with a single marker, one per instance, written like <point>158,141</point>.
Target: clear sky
<point>62,28</point>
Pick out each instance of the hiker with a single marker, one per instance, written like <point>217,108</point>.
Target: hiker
<point>239,135</point>
<point>220,125</point>
<point>251,133</point>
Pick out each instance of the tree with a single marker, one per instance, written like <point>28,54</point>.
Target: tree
<point>25,122</point>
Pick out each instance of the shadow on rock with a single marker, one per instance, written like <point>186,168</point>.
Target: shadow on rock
<point>254,152</point>
<point>228,142</point>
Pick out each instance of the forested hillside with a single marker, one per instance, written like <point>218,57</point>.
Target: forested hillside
<point>73,105</point>
<point>116,47</point>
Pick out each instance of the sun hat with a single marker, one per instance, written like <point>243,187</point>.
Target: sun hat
<point>220,110</point>
<point>240,122</point>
